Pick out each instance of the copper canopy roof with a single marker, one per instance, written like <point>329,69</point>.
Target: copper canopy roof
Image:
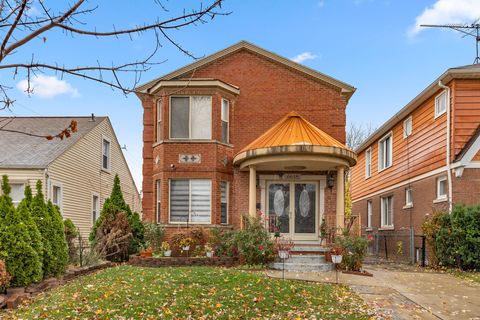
<point>294,134</point>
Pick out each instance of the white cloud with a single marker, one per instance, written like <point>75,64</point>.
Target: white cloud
<point>304,56</point>
<point>447,11</point>
<point>47,87</point>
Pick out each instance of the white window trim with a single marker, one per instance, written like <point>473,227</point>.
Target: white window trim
<point>405,133</point>
<point>436,102</point>
<point>158,187</point>
<point>98,208</point>
<point>228,202</point>
<point>382,222</point>
<point>54,183</point>
<point>367,173</point>
<point>228,120</point>
<point>22,182</point>
<point>109,169</point>
<point>380,161</point>
<point>189,118</point>
<point>408,205</point>
<point>189,201</point>
<point>159,120</point>
<point>441,198</point>
<point>369,214</point>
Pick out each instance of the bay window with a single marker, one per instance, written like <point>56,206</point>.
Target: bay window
<point>191,117</point>
<point>190,201</point>
<point>225,120</point>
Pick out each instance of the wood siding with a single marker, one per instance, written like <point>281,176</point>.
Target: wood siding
<point>79,172</point>
<point>423,151</point>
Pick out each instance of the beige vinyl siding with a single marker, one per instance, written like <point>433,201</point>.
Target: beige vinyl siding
<point>30,176</point>
<point>79,171</point>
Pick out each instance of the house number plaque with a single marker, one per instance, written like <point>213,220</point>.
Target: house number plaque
<point>189,158</point>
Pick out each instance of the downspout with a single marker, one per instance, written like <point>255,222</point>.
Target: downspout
<point>449,170</point>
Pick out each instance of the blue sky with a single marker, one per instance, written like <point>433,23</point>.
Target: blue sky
<point>370,44</point>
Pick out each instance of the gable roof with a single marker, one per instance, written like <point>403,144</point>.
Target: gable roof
<point>463,72</point>
<point>346,88</point>
<point>23,151</point>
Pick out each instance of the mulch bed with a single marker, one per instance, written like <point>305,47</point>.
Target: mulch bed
<point>182,261</point>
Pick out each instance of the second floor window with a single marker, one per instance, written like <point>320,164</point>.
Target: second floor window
<point>407,127</point>
<point>191,117</point>
<point>440,104</point>
<point>106,154</point>
<point>159,120</point>
<point>368,163</point>
<point>385,149</point>
<point>225,118</point>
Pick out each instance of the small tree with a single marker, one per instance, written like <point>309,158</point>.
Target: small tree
<point>23,263</point>
<point>71,234</point>
<point>58,243</point>
<point>117,201</point>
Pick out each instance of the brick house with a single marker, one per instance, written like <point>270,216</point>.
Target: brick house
<point>245,131</point>
<point>424,159</point>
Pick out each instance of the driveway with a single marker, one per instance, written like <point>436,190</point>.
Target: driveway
<point>405,292</point>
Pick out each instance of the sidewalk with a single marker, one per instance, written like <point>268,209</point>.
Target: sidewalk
<point>408,293</point>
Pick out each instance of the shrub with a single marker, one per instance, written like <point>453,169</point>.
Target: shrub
<point>223,242</point>
<point>113,235</point>
<point>455,237</point>
<point>154,234</point>
<point>71,234</point>
<point>354,249</point>
<point>58,243</point>
<point>4,276</point>
<point>254,243</point>
<point>118,202</point>
<point>22,261</point>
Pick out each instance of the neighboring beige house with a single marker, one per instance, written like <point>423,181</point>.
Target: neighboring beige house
<point>77,172</point>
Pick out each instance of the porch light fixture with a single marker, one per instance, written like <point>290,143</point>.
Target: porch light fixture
<point>330,180</point>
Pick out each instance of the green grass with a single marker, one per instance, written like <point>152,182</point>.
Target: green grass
<point>127,292</point>
<point>473,276</point>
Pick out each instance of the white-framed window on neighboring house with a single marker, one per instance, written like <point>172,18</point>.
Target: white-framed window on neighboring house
<point>407,127</point>
<point>369,214</point>
<point>17,192</point>
<point>224,202</point>
<point>191,117</point>
<point>190,200</point>
<point>368,163</point>
<point>159,120</point>
<point>225,120</point>
<point>95,207</point>
<point>158,199</point>
<point>408,197</point>
<point>440,104</point>
<point>56,195</point>
<point>386,212</point>
<point>385,150</point>
<point>106,153</point>
<point>442,188</point>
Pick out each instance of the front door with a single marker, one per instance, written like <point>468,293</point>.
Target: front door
<point>293,209</point>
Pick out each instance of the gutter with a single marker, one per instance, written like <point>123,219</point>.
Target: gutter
<point>449,171</point>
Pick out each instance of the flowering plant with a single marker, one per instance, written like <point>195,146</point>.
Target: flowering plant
<point>208,247</point>
<point>284,244</point>
<point>186,242</point>
<point>165,246</point>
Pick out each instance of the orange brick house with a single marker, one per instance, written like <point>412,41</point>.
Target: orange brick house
<point>424,159</point>
<point>241,131</point>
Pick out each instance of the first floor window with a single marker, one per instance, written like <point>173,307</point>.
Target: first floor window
<point>386,211</point>
<point>57,195</point>
<point>190,200</point>
<point>408,197</point>
<point>369,213</point>
<point>158,196</point>
<point>95,207</point>
<point>17,192</point>
<point>224,202</point>
<point>442,188</point>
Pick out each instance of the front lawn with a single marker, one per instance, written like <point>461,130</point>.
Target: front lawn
<point>191,292</point>
<point>473,276</point>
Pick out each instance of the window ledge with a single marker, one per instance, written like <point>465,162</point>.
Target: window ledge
<point>369,229</point>
<point>203,225</point>
<point>380,170</point>
<point>192,141</point>
<point>106,170</point>
<point>386,228</point>
<point>440,200</point>
<point>408,206</point>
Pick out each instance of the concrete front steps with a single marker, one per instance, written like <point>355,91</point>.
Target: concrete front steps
<point>304,259</point>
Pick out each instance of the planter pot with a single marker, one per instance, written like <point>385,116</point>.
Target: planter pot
<point>283,254</point>
<point>186,248</point>
<point>337,258</point>
<point>168,253</point>
<point>146,254</point>
<point>209,254</point>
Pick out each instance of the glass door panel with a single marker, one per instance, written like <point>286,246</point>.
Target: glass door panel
<point>279,207</point>
<point>305,208</point>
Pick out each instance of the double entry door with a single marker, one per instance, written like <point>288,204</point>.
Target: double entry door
<point>292,208</point>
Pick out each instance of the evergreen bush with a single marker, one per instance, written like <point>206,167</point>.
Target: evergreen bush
<point>22,261</point>
<point>58,243</point>
<point>71,234</point>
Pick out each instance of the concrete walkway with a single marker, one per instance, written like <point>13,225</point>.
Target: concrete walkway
<point>406,292</point>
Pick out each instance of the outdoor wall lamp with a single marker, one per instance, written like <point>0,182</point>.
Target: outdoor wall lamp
<point>330,180</point>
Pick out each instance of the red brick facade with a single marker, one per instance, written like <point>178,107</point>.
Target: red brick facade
<point>268,91</point>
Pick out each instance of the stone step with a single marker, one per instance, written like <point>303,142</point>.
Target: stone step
<point>317,258</point>
<point>303,267</point>
<point>307,248</point>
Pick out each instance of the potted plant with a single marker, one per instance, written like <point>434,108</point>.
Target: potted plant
<point>283,247</point>
<point>336,254</point>
<point>165,249</point>
<point>209,250</point>
<point>185,243</point>
<point>146,251</point>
